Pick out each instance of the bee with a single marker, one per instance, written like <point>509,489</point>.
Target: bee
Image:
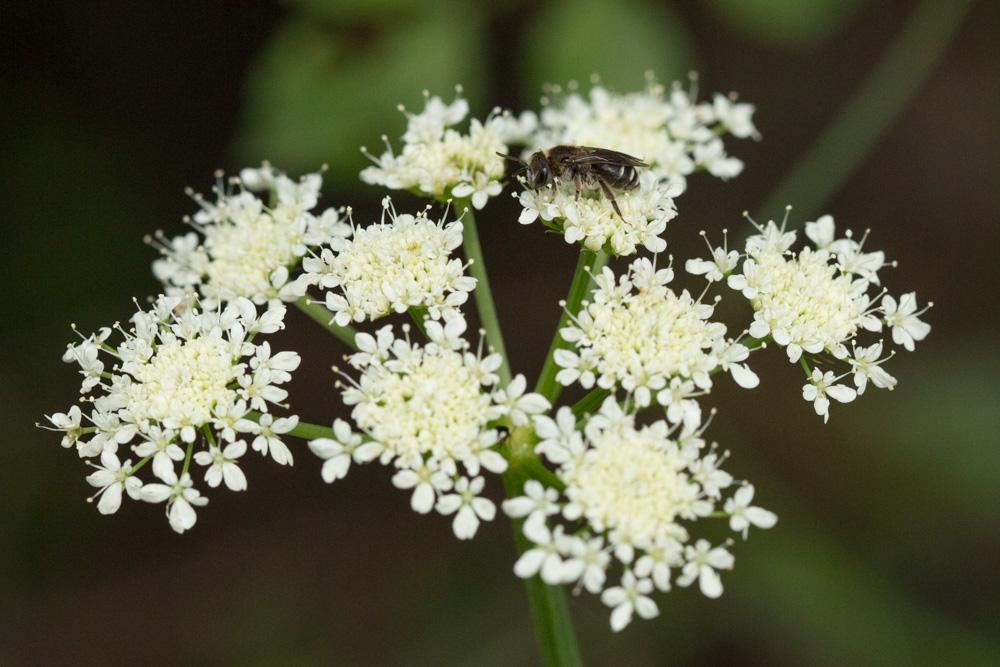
<point>585,166</point>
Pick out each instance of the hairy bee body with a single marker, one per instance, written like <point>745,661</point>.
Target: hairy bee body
<point>585,166</point>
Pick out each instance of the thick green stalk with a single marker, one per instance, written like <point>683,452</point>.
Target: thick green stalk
<point>588,262</point>
<point>590,402</point>
<point>483,295</point>
<point>850,137</point>
<point>320,314</point>
<point>553,627</point>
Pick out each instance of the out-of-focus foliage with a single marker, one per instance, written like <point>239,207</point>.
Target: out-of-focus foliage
<point>620,41</point>
<point>788,23</point>
<point>317,94</point>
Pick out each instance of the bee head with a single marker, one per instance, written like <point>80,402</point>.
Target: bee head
<point>539,172</point>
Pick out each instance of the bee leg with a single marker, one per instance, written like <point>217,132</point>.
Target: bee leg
<point>611,196</point>
<point>576,182</point>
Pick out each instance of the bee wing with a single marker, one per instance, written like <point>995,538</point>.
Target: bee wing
<point>593,155</point>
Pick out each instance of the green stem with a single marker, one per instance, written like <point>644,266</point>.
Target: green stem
<point>585,265</point>
<point>846,141</point>
<point>418,315</point>
<point>303,430</point>
<point>187,458</point>
<point>483,295</point>
<point>590,401</point>
<point>553,627</point>
<point>319,313</point>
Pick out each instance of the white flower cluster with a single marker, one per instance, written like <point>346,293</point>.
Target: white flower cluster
<point>629,494</point>
<point>640,335</point>
<point>817,301</point>
<point>392,266</point>
<point>433,412</point>
<point>670,130</point>
<point>244,247</point>
<point>181,378</point>
<point>591,219</point>
<point>673,133</point>
<point>441,162</point>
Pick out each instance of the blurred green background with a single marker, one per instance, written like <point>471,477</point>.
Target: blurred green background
<point>885,114</point>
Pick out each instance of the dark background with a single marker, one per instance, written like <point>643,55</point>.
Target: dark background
<point>888,543</point>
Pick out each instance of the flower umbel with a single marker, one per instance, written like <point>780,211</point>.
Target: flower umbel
<point>631,493</point>
<point>816,301</point>
<point>591,220</point>
<point>241,245</point>
<point>433,412</point>
<point>640,335</point>
<point>669,129</point>
<point>181,378</point>
<point>399,263</point>
<point>440,162</point>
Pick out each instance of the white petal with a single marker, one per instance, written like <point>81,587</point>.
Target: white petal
<point>234,477</point>
<point>743,376</point>
<point>465,523</point>
<point>709,582</point>
<point>529,563</point>
<point>111,500</point>
<point>422,500</point>
<point>621,616</point>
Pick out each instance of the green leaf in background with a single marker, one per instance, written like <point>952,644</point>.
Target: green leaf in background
<point>788,23</point>
<point>347,10</point>
<point>958,453</point>
<point>571,40</point>
<point>315,97</point>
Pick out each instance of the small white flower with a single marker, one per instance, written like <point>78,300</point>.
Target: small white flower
<point>112,477</point>
<point>723,263</point>
<point>703,561</point>
<point>657,562</point>
<point>586,561</point>
<point>181,498</point>
<point>267,429</point>
<point>537,500</point>
<point>544,558</point>
<point>904,319</point>
<point>742,515</point>
<point>821,232</point>
<point>521,407</point>
<point>557,438</point>
<point>427,482</point>
<point>69,423</point>
<point>222,465</point>
<point>681,407</point>
<point>467,506</point>
<point>479,190</point>
<point>162,445</point>
<point>821,388</point>
<point>338,452</point>
<point>713,479</point>
<point>630,597</point>
<point>866,365</point>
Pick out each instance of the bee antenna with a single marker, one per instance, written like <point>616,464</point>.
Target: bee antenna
<point>513,158</point>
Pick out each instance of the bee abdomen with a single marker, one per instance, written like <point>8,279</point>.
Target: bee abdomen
<point>620,176</point>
